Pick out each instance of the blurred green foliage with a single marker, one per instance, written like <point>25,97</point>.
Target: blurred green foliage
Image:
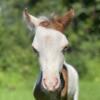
<point>16,54</point>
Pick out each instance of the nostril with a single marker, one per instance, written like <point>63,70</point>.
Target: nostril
<point>50,85</point>
<point>44,79</point>
<point>56,82</point>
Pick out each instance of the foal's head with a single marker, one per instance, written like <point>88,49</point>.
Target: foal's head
<point>49,42</point>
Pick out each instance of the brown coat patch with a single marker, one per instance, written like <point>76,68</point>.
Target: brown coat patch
<point>52,24</point>
<point>59,23</point>
<point>64,73</point>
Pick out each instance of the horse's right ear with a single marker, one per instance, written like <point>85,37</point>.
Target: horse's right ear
<point>30,20</point>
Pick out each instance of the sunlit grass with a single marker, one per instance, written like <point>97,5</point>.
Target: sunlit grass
<point>89,90</point>
<point>16,94</point>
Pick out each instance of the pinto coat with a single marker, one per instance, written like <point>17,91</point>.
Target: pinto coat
<point>69,86</point>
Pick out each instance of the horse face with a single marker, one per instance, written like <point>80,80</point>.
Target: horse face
<point>49,42</point>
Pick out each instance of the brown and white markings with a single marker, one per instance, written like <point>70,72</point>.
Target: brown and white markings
<point>58,80</point>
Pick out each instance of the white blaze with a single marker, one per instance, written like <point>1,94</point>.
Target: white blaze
<point>50,43</point>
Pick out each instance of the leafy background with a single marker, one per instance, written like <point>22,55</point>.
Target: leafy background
<point>19,66</point>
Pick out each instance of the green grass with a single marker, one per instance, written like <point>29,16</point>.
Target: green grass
<point>89,90</point>
<point>17,94</point>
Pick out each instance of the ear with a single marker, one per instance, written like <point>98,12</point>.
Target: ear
<point>67,18</point>
<point>30,20</point>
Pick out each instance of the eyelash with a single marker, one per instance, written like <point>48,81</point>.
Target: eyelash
<point>35,50</point>
<point>64,49</point>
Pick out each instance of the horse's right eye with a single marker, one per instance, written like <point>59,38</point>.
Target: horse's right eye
<point>35,50</point>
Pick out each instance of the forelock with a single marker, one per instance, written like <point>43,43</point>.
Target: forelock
<point>43,18</point>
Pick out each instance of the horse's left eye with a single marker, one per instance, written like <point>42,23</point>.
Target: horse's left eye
<point>64,49</point>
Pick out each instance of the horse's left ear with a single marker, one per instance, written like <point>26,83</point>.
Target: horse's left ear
<point>67,18</point>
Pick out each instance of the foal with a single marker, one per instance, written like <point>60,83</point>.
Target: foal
<point>58,80</point>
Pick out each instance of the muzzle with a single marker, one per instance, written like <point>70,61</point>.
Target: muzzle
<point>51,82</point>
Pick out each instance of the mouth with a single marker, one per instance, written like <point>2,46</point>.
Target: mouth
<point>51,91</point>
